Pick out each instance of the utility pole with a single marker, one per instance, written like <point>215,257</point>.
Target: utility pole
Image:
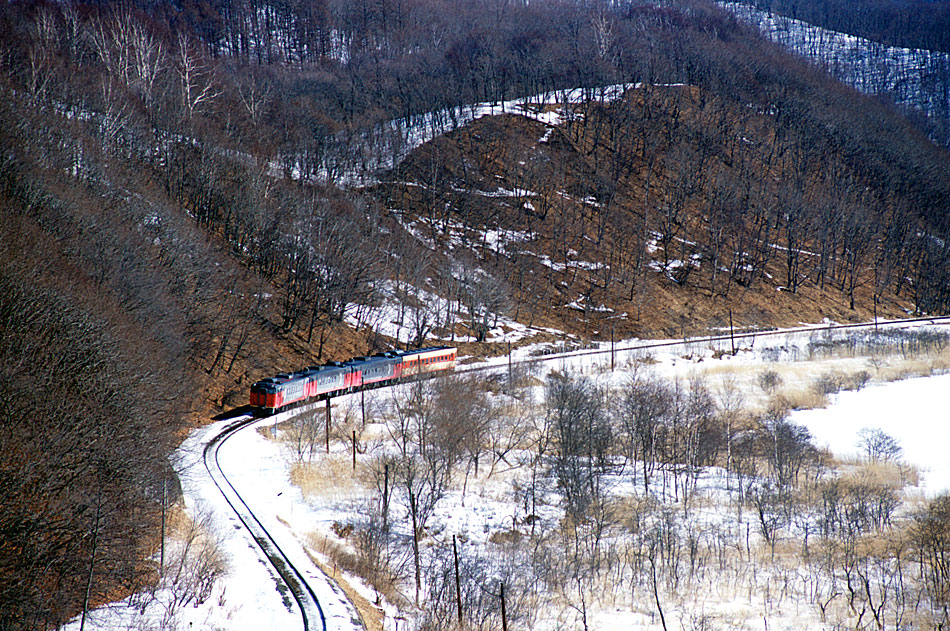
<point>875,313</point>
<point>732,334</point>
<point>386,498</point>
<point>458,583</point>
<point>504,612</point>
<point>92,560</point>
<point>611,348</point>
<point>161,561</point>
<point>327,432</point>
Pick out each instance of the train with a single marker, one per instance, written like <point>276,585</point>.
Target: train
<point>271,395</point>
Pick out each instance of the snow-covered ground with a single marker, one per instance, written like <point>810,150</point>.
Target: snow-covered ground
<point>913,411</point>
<point>248,598</point>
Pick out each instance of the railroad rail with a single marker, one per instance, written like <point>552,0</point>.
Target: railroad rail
<point>706,339</point>
<point>293,578</point>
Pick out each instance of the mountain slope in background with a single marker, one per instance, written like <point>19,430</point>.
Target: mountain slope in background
<point>916,79</point>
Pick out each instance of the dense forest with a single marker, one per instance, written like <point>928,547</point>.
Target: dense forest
<point>195,192</point>
<point>915,24</point>
<point>905,67</point>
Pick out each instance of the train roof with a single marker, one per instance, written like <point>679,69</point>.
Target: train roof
<point>428,350</point>
<point>373,359</point>
<point>313,370</point>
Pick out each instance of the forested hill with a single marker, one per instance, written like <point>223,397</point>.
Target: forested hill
<point>913,24</point>
<point>879,48</point>
<point>195,195</point>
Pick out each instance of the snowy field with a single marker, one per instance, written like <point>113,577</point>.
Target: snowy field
<point>247,597</point>
<point>914,411</point>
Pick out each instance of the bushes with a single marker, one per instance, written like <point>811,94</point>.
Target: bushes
<point>769,381</point>
<point>931,540</point>
<point>835,381</point>
<point>905,342</point>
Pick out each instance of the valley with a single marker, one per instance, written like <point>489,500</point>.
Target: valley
<point>197,196</point>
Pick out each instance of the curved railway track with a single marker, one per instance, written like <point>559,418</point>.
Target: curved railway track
<point>294,580</point>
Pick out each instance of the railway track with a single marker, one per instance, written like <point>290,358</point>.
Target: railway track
<point>708,339</point>
<point>295,581</point>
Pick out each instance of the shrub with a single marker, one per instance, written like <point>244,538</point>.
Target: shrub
<point>829,383</point>
<point>858,380</point>
<point>769,381</point>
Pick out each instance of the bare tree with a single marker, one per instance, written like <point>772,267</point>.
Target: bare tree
<point>645,408</point>
<point>877,445</point>
<point>196,84</point>
<point>304,435</point>
<point>769,381</point>
<point>131,53</point>
<point>466,417</point>
<point>787,447</point>
<point>486,299</point>
<point>931,542</point>
<point>583,442</point>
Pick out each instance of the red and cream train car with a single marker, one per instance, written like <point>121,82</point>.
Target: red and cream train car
<point>269,395</point>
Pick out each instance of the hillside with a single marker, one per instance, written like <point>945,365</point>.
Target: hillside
<point>611,218</point>
<point>849,44</point>
<point>199,195</point>
<point>914,24</point>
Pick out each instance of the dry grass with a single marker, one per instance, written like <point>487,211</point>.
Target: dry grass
<point>176,519</point>
<point>342,561</point>
<point>914,367</point>
<point>330,477</point>
<point>804,399</point>
<point>806,384</point>
<point>895,475</point>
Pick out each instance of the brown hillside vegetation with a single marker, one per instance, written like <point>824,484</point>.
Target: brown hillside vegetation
<point>110,326</point>
<point>602,210</point>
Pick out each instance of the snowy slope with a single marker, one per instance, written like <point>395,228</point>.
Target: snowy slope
<point>909,75</point>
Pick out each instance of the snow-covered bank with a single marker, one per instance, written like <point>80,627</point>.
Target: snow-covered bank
<point>249,596</point>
